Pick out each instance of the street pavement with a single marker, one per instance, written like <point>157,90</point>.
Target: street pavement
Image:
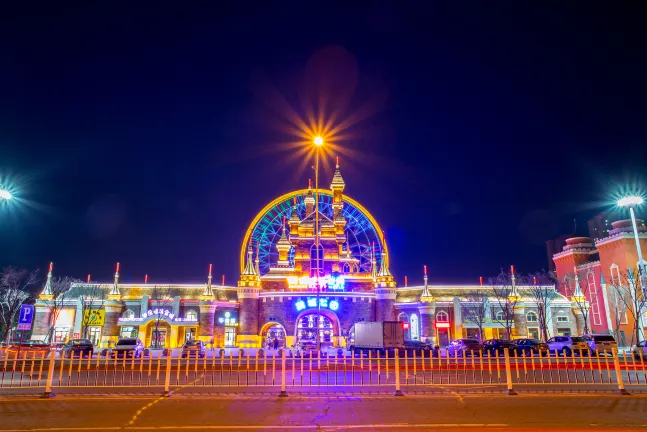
<point>449,411</point>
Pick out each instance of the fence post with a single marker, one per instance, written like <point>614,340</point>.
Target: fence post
<point>167,378</point>
<point>50,376</point>
<point>283,393</point>
<point>621,383</point>
<point>398,391</point>
<point>508,373</point>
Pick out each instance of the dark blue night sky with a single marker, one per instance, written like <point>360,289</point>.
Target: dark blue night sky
<point>151,135</point>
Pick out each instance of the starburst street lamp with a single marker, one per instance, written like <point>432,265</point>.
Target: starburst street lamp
<point>318,142</point>
<point>631,202</point>
<point>5,194</point>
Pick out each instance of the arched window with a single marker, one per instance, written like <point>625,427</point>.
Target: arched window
<point>191,315</point>
<point>415,331</point>
<point>531,317</point>
<point>499,316</point>
<point>442,316</point>
<point>316,262</point>
<point>355,268</point>
<point>129,314</point>
<point>346,268</point>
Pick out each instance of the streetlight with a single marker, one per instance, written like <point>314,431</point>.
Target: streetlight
<point>5,194</point>
<point>318,142</point>
<point>631,202</point>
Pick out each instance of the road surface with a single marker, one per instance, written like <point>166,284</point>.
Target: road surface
<point>446,412</point>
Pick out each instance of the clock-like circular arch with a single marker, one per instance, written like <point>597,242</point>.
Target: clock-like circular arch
<point>362,229</point>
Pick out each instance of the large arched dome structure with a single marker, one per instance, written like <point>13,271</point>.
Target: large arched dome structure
<point>362,230</point>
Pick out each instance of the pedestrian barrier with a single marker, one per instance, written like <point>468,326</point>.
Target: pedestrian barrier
<point>316,369</point>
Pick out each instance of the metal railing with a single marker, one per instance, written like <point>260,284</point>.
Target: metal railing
<point>316,369</point>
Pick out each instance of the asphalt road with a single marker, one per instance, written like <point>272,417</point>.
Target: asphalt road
<point>340,412</point>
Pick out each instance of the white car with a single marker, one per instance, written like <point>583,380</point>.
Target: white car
<point>640,351</point>
<point>567,345</point>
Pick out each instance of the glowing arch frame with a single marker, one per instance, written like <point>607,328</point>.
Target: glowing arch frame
<point>301,192</point>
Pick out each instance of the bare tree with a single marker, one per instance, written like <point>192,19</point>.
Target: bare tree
<point>503,292</point>
<point>92,300</point>
<point>14,291</point>
<point>542,291</point>
<point>577,289</point>
<point>477,309</point>
<point>162,297</point>
<point>618,306</point>
<point>60,288</point>
<point>631,292</point>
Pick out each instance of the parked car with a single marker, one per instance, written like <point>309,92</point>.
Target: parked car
<point>36,348</point>
<point>495,347</point>
<point>601,344</point>
<point>567,345</point>
<point>529,346</point>
<point>467,346</point>
<point>417,346</point>
<point>128,347</point>
<point>80,347</point>
<point>194,348</point>
<point>639,351</point>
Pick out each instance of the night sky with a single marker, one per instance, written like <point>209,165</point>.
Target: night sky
<point>153,135</point>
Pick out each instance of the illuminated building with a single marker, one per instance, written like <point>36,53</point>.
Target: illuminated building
<point>289,290</point>
<point>604,269</point>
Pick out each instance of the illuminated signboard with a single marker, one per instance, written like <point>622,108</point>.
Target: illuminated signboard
<point>328,282</point>
<point>311,302</point>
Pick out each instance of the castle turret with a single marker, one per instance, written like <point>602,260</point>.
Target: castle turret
<point>427,311</point>
<point>283,247</point>
<point>309,200</point>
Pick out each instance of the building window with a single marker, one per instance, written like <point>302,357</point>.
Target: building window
<point>593,299</point>
<point>316,261</point>
<point>442,316</point>
<point>499,316</point>
<point>531,317</point>
<point>562,319</point>
<point>413,322</point>
<point>191,315</point>
<point>346,268</point>
<point>129,314</point>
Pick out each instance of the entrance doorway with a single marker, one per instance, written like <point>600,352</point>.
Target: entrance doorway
<point>273,332</point>
<point>158,338</point>
<point>443,337</point>
<point>310,327</point>
<point>230,336</point>
<point>189,334</point>
<point>94,334</point>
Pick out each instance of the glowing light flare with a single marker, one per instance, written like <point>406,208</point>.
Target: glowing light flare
<point>425,267</point>
<point>630,201</point>
<point>210,268</point>
<point>318,141</point>
<point>51,266</point>
<point>481,280</point>
<point>146,278</point>
<point>5,194</point>
<point>88,278</point>
<point>117,268</point>
<point>512,270</point>
<point>443,325</point>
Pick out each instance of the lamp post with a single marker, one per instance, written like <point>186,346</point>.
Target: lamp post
<point>631,202</point>
<point>318,142</point>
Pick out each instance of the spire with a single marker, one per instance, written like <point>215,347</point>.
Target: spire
<point>578,290</point>
<point>337,180</point>
<point>602,281</point>
<point>425,296</point>
<point>249,266</point>
<point>309,199</point>
<point>373,263</point>
<point>348,255</point>
<point>294,217</point>
<point>283,247</point>
<point>514,295</point>
<point>47,289</point>
<point>114,291</point>
<point>208,292</point>
<point>384,270</point>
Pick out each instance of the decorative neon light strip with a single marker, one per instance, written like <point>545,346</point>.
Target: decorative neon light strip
<point>311,302</point>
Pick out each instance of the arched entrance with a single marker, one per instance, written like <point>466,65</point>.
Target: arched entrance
<point>271,332</point>
<point>327,324</point>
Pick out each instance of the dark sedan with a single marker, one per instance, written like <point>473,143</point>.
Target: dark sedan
<point>528,346</point>
<point>78,347</point>
<point>496,347</point>
<point>416,346</point>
